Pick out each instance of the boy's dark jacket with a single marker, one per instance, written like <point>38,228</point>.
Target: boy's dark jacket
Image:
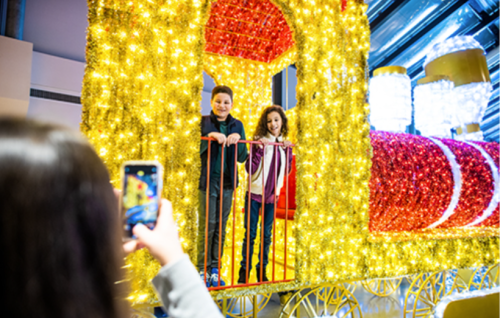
<point>211,124</point>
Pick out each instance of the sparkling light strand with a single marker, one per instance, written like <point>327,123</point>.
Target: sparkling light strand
<point>457,183</point>
<point>493,149</point>
<point>477,184</point>
<point>411,184</point>
<point>496,186</point>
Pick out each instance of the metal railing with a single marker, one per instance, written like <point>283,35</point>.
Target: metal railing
<point>231,283</point>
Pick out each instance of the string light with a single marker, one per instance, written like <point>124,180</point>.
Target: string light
<point>453,44</point>
<point>473,88</point>
<point>496,187</point>
<point>477,184</point>
<point>411,184</point>
<point>256,31</point>
<point>390,101</point>
<point>139,105</point>
<point>472,100</point>
<point>141,100</point>
<point>493,149</point>
<point>434,107</point>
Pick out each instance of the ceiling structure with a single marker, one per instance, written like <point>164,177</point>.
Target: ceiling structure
<point>404,31</point>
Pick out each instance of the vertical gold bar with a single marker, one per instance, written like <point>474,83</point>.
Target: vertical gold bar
<point>255,309</point>
<point>224,306</point>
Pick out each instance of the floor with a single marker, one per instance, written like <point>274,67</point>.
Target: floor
<point>371,306</point>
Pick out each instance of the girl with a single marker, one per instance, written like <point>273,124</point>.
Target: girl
<point>272,127</point>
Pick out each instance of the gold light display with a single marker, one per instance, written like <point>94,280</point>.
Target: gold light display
<point>141,100</point>
<point>141,97</point>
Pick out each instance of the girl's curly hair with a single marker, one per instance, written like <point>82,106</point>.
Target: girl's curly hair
<point>261,129</point>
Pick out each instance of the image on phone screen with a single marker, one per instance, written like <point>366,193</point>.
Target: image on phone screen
<point>140,197</point>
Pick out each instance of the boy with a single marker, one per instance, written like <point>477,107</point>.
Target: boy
<point>227,131</point>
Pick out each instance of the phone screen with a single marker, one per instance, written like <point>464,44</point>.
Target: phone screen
<point>140,197</point>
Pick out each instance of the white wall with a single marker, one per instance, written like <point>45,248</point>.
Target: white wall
<point>292,84</point>
<point>57,27</point>
<point>206,94</point>
<point>15,70</point>
<point>65,114</point>
<point>58,75</point>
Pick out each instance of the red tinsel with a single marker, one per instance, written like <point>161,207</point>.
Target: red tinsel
<point>477,184</point>
<point>250,29</point>
<point>411,182</point>
<point>493,149</point>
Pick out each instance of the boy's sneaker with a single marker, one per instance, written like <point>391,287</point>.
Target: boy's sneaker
<point>214,279</point>
<point>207,280</point>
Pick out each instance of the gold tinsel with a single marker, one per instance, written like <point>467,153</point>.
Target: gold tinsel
<point>141,100</point>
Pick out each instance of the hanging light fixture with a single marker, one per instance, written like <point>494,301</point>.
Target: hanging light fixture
<point>462,59</point>
<point>434,106</point>
<point>390,99</point>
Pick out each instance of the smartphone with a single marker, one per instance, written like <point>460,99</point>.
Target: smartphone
<point>141,194</point>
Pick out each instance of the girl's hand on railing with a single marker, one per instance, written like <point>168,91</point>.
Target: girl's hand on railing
<point>287,143</point>
<point>233,139</point>
<point>221,138</point>
<point>265,142</point>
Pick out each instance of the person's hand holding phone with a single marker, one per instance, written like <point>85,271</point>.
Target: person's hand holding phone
<point>163,241</point>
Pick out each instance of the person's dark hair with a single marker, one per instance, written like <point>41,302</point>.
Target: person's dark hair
<point>59,228</point>
<point>261,130</point>
<point>222,89</point>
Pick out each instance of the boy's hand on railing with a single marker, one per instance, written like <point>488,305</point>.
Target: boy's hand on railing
<point>221,138</point>
<point>233,139</point>
<point>287,143</point>
<point>264,141</point>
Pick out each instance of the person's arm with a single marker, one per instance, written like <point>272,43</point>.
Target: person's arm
<point>203,146</point>
<point>183,293</point>
<point>257,153</point>
<point>212,133</point>
<point>178,284</point>
<point>242,148</point>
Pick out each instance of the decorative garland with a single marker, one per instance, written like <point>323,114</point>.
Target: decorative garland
<point>253,30</point>
<point>493,149</point>
<point>141,97</point>
<point>411,185</point>
<point>141,101</point>
<point>477,184</point>
<point>457,186</point>
<point>420,183</point>
<point>496,186</point>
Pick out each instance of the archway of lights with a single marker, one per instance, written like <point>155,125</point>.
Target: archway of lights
<point>141,97</point>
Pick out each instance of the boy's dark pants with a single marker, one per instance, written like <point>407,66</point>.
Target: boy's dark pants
<point>268,227</point>
<point>213,224</point>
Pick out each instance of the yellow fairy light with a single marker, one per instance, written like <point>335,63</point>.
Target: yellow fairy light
<point>141,97</point>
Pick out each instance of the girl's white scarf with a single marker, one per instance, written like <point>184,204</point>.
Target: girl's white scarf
<point>268,157</point>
